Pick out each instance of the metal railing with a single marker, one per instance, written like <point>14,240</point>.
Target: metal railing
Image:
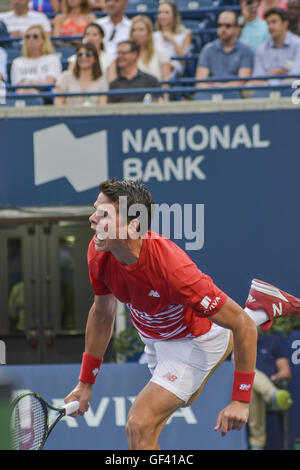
<point>177,86</point>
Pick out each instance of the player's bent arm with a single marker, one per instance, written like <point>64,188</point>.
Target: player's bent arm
<point>233,317</point>
<point>100,323</point>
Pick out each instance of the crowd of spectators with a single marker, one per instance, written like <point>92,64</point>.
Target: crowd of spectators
<point>111,51</point>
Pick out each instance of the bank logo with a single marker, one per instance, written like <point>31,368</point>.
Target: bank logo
<point>58,154</point>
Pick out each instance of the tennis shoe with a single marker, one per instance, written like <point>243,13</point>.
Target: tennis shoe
<point>275,302</point>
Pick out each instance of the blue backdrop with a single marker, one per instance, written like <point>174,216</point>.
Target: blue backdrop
<point>242,166</point>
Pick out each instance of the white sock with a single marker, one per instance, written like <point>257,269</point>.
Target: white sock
<point>258,316</point>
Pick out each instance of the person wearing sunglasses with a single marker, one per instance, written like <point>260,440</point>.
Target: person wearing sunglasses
<point>86,76</point>
<point>226,57</point>
<point>39,65</point>
<point>94,34</point>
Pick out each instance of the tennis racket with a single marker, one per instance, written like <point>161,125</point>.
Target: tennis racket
<point>30,424</point>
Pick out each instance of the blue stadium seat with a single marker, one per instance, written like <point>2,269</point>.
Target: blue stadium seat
<point>142,6</point>
<point>13,102</point>
<point>266,93</point>
<point>225,95</point>
<point>193,4</point>
<point>193,25</point>
<point>13,52</point>
<point>64,53</point>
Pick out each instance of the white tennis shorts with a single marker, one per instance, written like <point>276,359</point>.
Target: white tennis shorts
<point>181,365</point>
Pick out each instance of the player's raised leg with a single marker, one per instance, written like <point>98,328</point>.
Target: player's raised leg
<point>266,302</point>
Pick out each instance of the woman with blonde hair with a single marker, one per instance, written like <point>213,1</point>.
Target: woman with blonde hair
<point>152,60</point>
<point>73,21</point>
<point>39,65</point>
<point>170,34</point>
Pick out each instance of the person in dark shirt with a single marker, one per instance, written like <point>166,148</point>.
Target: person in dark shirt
<point>272,370</point>
<point>130,77</point>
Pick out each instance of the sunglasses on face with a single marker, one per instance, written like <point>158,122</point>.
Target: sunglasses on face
<point>86,54</point>
<point>226,25</point>
<point>33,36</point>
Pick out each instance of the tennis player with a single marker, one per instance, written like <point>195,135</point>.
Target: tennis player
<point>187,323</point>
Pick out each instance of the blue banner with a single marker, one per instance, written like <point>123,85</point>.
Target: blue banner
<point>103,426</point>
<point>241,169</point>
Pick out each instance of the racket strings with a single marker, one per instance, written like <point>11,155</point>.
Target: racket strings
<point>29,424</point>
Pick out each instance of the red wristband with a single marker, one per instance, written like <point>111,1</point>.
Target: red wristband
<point>242,385</point>
<point>90,368</point>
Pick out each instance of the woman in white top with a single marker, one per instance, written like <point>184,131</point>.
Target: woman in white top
<point>170,34</point>
<point>94,34</point>
<point>39,65</point>
<point>152,60</point>
<point>86,76</point>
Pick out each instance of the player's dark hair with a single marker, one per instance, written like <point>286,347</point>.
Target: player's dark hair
<point>277,11</point>
<point>135,191</point>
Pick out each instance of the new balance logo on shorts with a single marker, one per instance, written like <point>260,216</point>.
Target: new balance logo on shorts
<point>153,293</point>
<point>170,377</point>
<point>245,387</point>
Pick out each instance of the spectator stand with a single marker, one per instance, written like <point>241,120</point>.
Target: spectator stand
<point>199,16</point>
<point>180,86</point>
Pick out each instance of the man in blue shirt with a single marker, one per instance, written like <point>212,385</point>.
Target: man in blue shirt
<point>254,29</point>
<point>272,369</point>
<point>225,57</point>
<point>279,55</point>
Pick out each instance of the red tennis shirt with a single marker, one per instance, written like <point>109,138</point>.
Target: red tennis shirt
<point>167,295</point>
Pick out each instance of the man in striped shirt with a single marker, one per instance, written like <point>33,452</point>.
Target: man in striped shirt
<point>186,322</point>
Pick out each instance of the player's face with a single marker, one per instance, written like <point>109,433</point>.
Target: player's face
<point>108,225</point>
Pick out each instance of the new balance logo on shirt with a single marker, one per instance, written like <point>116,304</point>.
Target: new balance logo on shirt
<point>153,293</point>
